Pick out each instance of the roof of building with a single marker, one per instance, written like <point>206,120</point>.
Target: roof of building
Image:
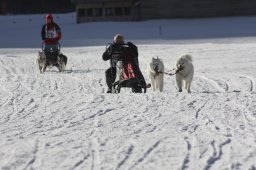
<point>87,1</point>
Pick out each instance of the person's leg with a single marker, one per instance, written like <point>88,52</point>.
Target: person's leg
<point>55,47</point>
<point>47,47</point>
<point>51,53</point>
<point>51,47</point>
<point>110,74</point>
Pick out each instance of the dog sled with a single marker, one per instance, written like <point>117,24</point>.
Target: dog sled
<point>51,57</point>
<point>128,73</point>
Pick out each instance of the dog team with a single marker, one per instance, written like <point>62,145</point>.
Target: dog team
<point>124,69</point>
<point>184,72</point>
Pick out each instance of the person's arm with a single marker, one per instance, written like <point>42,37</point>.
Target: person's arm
<point>108,53</point>
<point>58,31</point>
<point>43,32</point>
<point>134,49</point>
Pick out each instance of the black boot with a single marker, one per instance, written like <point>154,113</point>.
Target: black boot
<point>109,90</point>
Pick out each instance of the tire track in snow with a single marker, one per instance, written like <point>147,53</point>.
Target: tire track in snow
<point>145,155</point>
<point>14,69</point>
<point>94,138</point>
<point>216,156</point>
<point>248,115</point>
<point>127,156</point>
<point>95,149</point>
<point>80,162</point>
<point>215,84</point>
<point>187,158</point>
<point>13,104</point>
<point>201,116</point>
<point>146,118</point>
<point>252,83</point>
<point>149,127</point>
<point>35,152</point>
<point>29,108</point>
<point>7,103</point>
<point>99,113</point>
<point>4,65</point>
<point>139,115</point>
<point>201,108</point>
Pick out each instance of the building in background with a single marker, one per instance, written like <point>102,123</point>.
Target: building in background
<point>123,10</point>
<point>35,6</point>
<point>3,7</point>
<point>106,10</point>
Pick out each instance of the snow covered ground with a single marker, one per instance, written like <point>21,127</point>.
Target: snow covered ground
<point>67,121</point>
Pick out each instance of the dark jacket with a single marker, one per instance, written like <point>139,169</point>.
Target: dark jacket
<point>115,51</point>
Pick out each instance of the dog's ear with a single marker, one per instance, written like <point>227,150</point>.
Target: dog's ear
<point>155,58</point>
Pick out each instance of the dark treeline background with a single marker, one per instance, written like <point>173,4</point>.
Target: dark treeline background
<point>35,6</point>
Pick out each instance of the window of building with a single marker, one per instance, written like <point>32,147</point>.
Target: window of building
<point>98,12</point>
<point>119,11</point>
<point>81,12</point>
<point>109,11</point>
<point>127,11</point>
<point>90,12</point>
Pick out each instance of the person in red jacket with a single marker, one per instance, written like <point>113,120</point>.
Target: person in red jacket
<point>51,34</point>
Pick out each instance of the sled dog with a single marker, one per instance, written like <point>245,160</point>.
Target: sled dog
<point>155,72</point>
<point>184,72</point>
<point>41,60</point>
<point>43,63</point>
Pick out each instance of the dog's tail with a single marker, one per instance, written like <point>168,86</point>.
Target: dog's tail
<point>188,57</point>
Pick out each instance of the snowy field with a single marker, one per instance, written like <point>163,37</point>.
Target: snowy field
<point>66,121</point>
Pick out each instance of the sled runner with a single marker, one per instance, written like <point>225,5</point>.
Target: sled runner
<point>128,73</point>
<point>51,56</point>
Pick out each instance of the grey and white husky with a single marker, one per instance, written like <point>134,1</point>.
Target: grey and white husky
<point>43,62</point>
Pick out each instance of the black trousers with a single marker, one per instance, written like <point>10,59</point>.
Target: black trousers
<point>110,74</point>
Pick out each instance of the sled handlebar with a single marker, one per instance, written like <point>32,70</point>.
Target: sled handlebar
<point>43,46</point>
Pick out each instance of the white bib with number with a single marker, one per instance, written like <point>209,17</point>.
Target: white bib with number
<point>50,33</point>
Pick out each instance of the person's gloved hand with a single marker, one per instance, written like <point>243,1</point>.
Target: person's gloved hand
<point>116,56</point>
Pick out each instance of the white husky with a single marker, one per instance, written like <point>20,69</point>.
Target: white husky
<point>185,72</point>
<point>155,72</point>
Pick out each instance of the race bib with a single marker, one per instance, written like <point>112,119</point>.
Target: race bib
<point>51,34</point>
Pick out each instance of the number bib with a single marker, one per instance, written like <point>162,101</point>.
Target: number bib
<point>51,33</point>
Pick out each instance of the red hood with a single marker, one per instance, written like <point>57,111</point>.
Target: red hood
<point>49,16</point>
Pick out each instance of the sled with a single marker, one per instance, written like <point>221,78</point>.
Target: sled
<point>51,58</point>
<point>128,73</point>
